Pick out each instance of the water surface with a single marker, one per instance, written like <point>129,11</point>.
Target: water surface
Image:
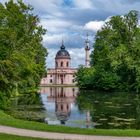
<point>85,109</point>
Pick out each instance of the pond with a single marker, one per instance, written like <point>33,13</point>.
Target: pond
<point>85,109</point>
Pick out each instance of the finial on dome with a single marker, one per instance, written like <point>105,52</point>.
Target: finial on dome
<point>62,46</point>
<point>87,35</point>
<point>62,41</point>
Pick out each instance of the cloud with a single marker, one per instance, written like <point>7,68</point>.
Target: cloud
<point>83,4</point>
<point>70,40</point>
<point>54,25</point>
<point>51,7</point>
<point>54,39</point>
<point>94,25</point>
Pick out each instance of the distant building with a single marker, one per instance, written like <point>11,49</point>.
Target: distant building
<point>63,73</point>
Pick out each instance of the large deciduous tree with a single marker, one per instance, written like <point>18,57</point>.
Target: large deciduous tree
<point>22,55</point>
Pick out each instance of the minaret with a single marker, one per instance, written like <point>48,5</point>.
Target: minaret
<point>87,50</point>
<point>88,122</point>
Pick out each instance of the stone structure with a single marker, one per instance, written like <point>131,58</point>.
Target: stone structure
<point>63,74</point>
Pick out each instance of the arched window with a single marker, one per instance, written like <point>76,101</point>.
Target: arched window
<point>61,107</point>
<point>67,64</point>
<point>61,64</point>
<point>50,80</point>
<point>67,107</point>
<point>73,80</point>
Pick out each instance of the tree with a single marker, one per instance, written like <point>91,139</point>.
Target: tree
<point>22,55</point>
<point>116,54</point>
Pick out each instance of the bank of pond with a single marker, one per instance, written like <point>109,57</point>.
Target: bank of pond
<point>68,106</point>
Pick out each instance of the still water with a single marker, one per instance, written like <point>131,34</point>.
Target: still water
<point>61,107</point>
<point>85,109</point>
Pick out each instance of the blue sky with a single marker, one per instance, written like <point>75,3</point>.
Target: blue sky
<point>72,19</point>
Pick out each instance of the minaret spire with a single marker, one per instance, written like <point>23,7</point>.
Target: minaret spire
<point>87,49</point>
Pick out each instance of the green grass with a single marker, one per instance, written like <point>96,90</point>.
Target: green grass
<point>10,121</point>
<point>13,137</point>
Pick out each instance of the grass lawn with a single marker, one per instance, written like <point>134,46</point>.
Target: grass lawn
<point>13,137</point>
<point>10,121</point>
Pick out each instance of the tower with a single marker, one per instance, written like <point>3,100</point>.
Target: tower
<point>62,64</point>
<point>87,51</point>
<point>62,59</point>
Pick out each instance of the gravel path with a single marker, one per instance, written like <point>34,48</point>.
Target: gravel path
<point>50,135</point>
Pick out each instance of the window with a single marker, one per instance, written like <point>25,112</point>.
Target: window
<point>61,64</point>
<point>73,89</point>
<point>51,91</point>
<point>50,75</point>
<point>67,64</point>
<point>73,80</point>
<point>50,80</point>
<point>61,107</point>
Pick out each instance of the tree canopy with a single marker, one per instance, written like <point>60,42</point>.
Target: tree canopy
<point>115,60</point>
<point>22,55</point>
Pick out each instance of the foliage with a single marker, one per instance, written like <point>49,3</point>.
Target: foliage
<point>115,58</point>
<point>22,56</point>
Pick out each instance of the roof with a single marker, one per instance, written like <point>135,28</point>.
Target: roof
<point>62,53</point>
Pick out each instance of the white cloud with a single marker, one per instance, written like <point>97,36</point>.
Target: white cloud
<point>94,25</point>
<point>83,4</point>
<point>55,25</point>
<point>47,6</point>
<point>54,39</point>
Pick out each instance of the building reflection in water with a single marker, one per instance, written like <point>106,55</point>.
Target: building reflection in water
<point>61,102</point>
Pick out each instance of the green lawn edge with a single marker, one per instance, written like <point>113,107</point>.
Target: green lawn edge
<point>8,120</point>
<point>15,137</point>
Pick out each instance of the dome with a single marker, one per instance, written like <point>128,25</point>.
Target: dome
<point>62,117</point>
<point>62,53</point>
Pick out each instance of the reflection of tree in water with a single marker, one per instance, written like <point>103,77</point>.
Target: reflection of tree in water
<point>137,104</point>
<point>111,110</point>
<point>27,106</point>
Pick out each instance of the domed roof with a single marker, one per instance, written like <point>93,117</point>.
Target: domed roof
<point>62,53</point>
<point>62,116</point>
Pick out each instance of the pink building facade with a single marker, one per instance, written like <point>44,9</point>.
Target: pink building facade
<point>62,74</point>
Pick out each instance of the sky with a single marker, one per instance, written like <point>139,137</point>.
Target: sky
<point>70,20</point>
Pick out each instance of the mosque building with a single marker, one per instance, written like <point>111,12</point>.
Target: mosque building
<point>63,73</point>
